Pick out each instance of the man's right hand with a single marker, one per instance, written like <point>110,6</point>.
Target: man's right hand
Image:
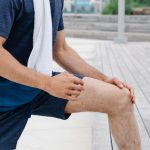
<point>64,85</point>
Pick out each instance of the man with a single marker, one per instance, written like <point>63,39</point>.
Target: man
<point>24,91</point>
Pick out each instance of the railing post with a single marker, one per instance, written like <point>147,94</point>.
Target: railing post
<point>121,38</point>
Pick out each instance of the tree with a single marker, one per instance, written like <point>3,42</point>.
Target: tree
<point>112,7</point>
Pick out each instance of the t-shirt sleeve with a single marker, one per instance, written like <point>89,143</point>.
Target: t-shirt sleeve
<point>8,11</point>
<point>61,22</point>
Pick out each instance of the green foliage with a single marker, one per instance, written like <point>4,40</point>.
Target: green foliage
<point>112,7</point>
<point>142,2</point>
<point>128,9</point>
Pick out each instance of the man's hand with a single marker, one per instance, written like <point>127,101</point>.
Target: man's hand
<point>65,86</point>
<point>121,85</point>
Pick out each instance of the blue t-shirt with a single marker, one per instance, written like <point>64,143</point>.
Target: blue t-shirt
<point>16,25</point>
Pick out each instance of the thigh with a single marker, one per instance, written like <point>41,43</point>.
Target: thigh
<point>47,105</point>
<point>98,96</point>
<point>12,124</point>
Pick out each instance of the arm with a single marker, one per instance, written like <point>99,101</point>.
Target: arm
<point>11,69</point>
<point>66,57</point>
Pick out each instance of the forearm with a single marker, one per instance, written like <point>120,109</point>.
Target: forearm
<point>73,63</point>
<point>11,69</point>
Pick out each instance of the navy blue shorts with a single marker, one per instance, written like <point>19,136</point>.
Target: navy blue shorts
<point>12,123</point>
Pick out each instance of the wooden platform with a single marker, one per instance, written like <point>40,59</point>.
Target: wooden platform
<point>131,63</point>
<point>86,131</point>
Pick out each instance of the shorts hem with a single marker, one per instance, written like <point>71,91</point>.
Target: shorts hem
<point>11,147</point>
<point>63,114</point>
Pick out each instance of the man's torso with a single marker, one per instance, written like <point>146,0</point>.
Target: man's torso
<point>19,43</point>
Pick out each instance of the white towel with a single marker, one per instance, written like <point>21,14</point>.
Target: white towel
<point>40,58</point>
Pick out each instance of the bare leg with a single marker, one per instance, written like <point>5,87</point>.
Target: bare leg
<point>102,97</point>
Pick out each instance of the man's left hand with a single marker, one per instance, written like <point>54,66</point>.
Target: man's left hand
<point>122,85</point>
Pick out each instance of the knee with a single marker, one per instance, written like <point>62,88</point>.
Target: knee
<point>124,103</point>
<point>125,100</point>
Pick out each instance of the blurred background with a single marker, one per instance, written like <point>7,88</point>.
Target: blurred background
<point>100,16</point>
<point>106,6</point>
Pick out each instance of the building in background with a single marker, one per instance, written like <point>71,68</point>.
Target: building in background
<point>84,6</point>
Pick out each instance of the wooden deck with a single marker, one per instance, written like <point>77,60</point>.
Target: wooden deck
<point>129,62</point>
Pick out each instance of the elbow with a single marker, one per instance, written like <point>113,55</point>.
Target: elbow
<point>57,53</point>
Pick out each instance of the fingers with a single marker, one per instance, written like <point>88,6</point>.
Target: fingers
<point>74,79</point>
<point>121,85</point>
<point>71,97</point>
<point>118,83</point>
<point>77,84</point>
<point>74,86</point>
<point>72,94</point>
<point>75,93</point>
<point>77,81</point>
<point>77,87</point>
<point>131,89</point>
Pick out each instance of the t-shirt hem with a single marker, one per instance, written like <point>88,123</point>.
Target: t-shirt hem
<point>60,29</point>
<point>4,35</point>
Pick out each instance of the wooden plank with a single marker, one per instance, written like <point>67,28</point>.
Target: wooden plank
<point>110,73</point>
<point>143,61</point>
<point>143,82</point>
<point>107,70</point>
<point>101,132</point>
<point>114,72</point>
<point>142,55</point>
<point>123,64</point>
<point>117,72</point>
<point>143,68</point>
<point>101,136</point>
